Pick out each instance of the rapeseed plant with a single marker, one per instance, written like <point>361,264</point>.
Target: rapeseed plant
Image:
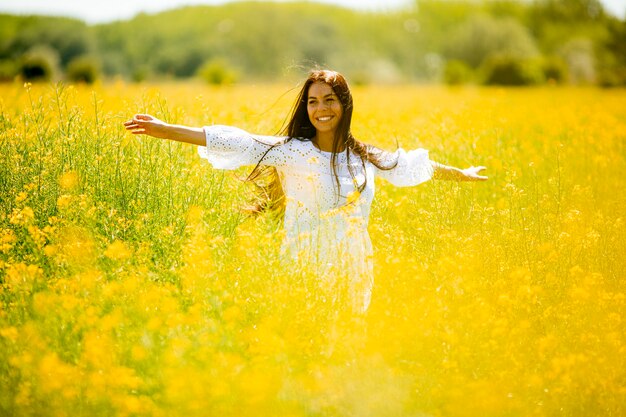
<point>133,285</point>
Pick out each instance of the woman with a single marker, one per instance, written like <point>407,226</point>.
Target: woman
<point>324,174</point>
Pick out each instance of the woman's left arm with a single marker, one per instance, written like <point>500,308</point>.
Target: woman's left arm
<point>444,172</point>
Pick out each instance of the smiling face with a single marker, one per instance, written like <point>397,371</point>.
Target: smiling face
<point>324,108</point>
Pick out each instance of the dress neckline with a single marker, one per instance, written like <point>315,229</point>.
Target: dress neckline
<point>325,152</point>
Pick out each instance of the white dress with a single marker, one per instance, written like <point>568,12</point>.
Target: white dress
<point>322,227</point>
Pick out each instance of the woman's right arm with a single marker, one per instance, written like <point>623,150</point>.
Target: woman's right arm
<point>144,124</point>
<point>225,147</point>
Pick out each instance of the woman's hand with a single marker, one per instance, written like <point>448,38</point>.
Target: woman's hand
<point>444,172</point>
<point>471,174</point>
<point>144,124</point>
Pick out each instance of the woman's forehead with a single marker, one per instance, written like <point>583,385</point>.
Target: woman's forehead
<point>320,89</point>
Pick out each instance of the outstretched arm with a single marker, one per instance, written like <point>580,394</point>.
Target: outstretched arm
<point>144,124</point>
<point>444,172</point>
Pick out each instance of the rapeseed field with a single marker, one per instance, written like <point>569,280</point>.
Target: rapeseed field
<point>132,283</point>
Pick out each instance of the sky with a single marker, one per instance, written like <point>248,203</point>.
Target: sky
<point>99,11</point>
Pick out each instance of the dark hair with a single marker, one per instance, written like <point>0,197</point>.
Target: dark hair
<point>265,178</point>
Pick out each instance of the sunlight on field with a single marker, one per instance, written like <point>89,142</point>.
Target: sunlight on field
<point>133,285</point>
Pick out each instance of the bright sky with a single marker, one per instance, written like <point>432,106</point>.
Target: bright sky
<point>96,11</point>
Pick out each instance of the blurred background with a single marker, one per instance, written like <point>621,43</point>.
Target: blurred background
<point>496,42</point>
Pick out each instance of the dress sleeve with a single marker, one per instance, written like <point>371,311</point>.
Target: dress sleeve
<point>413,168</point>
<point>229,147</point>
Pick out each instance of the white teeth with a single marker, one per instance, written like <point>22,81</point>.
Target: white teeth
<point>324,119</point>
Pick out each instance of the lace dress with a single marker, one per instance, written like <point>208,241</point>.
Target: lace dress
<point>323,227</point>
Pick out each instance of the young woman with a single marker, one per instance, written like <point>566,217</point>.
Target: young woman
<point>320,174</point>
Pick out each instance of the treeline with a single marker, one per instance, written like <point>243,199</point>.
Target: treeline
<point>492,42</point>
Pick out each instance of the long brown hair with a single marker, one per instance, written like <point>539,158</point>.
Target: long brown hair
<point>266,180</point>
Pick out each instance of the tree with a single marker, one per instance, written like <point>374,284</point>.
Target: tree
<point>84,69</point>
<point>217,71</point>
<point>40,63</point>
<point>505,70</point>
<point>70,38</point>
<point>482,36</point>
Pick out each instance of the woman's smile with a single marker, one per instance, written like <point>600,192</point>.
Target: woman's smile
<point>324,118</point>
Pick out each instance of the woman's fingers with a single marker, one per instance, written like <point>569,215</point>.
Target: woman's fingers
<point>144,124</point>
<point>139,119</point>
<point>138,123</point>
<point>481,177</point>
<point>135,127</point>
<point>472,173</point>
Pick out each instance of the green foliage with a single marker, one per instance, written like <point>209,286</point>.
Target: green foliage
<point>177,61</point>
<point>568,10</point>
<point>140,74</point>
<point>555,70</point>
<point>39,64</point>
<point>83,69</point>
<point>612,56</point>
<point>266,40</point>
<point>70,38</point>
<point>482,36</point>
<point>217,72</point>
<point>556,22</point>
<point>456,72</point>
<point>505,70</point>
<point>8,70</point>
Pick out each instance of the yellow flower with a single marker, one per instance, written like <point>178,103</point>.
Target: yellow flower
<point>38,235</point>
<point>138,353</point>
<point>117,251</point>
<point>22,277</point>
<point>232,314</point>
<point>54,374</point>
<point>353,197</point>
<point>194,216</point>
<point>23,216</point>
<point>64,201</point>
<point>7,239</point>
<point>9,333</point>
<point>21,197</point>
<point>69,180</point>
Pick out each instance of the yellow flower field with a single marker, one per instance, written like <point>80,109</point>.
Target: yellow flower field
<point>132,283</point>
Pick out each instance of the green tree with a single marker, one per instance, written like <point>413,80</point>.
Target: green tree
<point>40,63</point>
<point>264,40</point>
<point>482,36</point>
<point>456,72</point>
<point>509,71</point>
<point>217,71</point>
<point>70,38</point>
<point>84,69</point>
<point>612,55</point>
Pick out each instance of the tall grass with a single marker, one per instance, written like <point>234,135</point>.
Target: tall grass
<point>132,284</point>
